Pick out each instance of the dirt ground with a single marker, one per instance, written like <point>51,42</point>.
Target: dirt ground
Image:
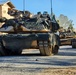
<point>48,71</point>
<point>59,71</point>
<point>33,64</point>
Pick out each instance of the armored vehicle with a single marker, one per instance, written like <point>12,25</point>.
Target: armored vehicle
<point>27,31</point>
<point>68,38</point>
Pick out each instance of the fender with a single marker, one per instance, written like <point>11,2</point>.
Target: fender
<point>53,38</point>
<point>43,37</point>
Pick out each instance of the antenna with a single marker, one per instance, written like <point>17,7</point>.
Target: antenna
<point>51,8</point>
<point>24,6</point>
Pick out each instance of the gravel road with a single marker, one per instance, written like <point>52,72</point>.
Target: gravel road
<point>31,63</point>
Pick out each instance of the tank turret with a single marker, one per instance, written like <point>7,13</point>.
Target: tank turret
<point>23,22</point>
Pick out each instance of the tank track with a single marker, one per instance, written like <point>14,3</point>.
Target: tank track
<point>7,52</point>
<point>46,49</point>
<point>74,43</point>
<point>2,50</point>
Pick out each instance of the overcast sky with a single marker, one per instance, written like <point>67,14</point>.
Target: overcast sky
<point>66,7</point>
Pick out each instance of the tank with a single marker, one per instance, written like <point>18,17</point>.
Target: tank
<point>68,38</point>
<point>27,31</point>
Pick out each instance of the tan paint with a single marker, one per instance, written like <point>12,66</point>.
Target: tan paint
<point>34,43</point>
<point>4,11</point>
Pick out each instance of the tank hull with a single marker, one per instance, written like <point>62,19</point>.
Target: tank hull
<point>15,41</point>
<point>67,38</point>
<point>45,42</point>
